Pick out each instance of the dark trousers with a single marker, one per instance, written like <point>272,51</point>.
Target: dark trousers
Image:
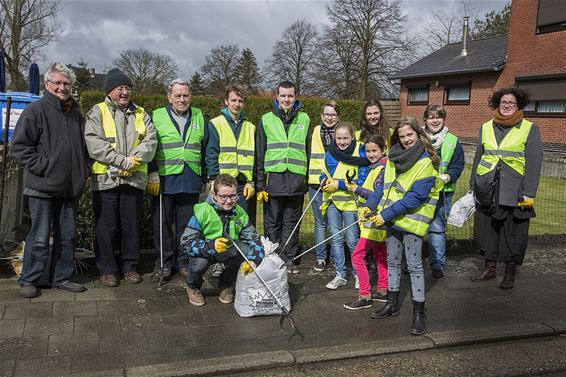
<point>502,240</point>
<point>231,259</point>
<point>117,214</point>
<point>61,214</point>
<point>177,210</point>
<point>280,215</point>
<point>249,206</point>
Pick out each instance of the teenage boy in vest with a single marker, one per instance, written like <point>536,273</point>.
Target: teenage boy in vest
<point>281,161</point>
<point>208,239</point>
<point>177,174</point>
<point>121,139</point>
<point>452,163</point>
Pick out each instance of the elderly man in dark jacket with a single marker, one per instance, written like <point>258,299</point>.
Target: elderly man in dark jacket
<point>48,142</point>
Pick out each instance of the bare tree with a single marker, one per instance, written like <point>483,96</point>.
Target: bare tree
<point>150,72</point>
<point>25,27</point>
<point>220,68</point>
<point>377,28</point>
<point>292,56</point>
<point>444,28</point>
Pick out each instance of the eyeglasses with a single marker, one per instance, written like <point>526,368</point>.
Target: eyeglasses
<point>508,104</point>
<point>328,115</point>
<point>225,198</point>
<point>124,88</point>
<point>66,84</point>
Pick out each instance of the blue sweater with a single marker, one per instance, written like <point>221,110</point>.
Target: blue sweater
<point>331,164</point>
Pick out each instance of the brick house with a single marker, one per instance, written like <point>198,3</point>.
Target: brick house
<point>462,76</point>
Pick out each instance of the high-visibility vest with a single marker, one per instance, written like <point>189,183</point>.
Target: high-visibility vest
<point>511,150</point>
<point>212,226</point>
<point>358,135</point>
<point>369,230</point>
<point>286,151</point>
<point>109,128</point>
<point>446,152</point>
<point>316,159</point>
<point>343,200</point>
<point>394,188</point>
<point>235,156</point>
<point>172,152</point>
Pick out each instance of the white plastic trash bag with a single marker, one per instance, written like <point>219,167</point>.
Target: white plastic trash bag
<point>462,210</point>
<point>252,297</point>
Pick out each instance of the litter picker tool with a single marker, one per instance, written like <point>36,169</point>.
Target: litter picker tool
<point>160,273</point>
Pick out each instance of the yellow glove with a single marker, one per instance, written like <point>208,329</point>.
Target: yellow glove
<point>134,163</point>
<point>221,244</point>
<point>246,268</point>
<point>125,173</point>
<point>262,196</point>
<point>363,212</point>
<point>526,202</point>
<point>249,191</point>
<point>330,186</point>
<point>377,220</point>
<point>351,186</point>
<point>153,183</point>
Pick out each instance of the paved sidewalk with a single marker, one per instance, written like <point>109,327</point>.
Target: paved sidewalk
<point>144,330</point>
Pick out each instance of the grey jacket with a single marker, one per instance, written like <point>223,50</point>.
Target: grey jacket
<point>101,150</point>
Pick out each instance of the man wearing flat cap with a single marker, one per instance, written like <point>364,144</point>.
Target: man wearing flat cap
<point>121,139</point>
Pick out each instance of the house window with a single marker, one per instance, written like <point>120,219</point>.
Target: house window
<point>551,16</point>
<point>548,95</point>
<point>457,94</point>
<point>418,95</point>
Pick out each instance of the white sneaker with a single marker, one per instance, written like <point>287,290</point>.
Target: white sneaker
<point>356,282</point>
<point>337,282</point>
<point>217,269</point>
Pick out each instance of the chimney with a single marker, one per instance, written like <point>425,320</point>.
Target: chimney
<point>465,38</point>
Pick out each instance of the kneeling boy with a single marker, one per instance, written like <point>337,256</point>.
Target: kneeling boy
<point>205,242</point>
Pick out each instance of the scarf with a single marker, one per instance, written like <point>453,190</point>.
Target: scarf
<point>67,105</point>
<point>327,135</point>
<point>437,139</point>
<point>346,155</point>
<point>508,121</point>
<point>404,159</point>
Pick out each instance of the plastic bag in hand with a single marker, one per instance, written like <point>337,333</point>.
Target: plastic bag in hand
<point>462,210</point>
<point>268,246</point>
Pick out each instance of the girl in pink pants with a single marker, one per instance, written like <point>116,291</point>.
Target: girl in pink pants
<point>372,239</point>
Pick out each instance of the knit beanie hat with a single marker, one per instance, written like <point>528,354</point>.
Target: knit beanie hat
<point>115,78</point>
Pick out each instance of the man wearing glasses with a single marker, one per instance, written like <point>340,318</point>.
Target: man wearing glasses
<point>121,139</point>
<point>48,143</point>
<point>206,240</point>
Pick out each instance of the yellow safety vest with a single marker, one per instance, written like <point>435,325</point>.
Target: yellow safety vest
<point>358,135</point>
<point>369,230</point>
<point>394,188</point>
<point>235,156</point>
<point>511,150</point>
<point>109,128</point>
<point>316,158</point>
<point>344,200</point>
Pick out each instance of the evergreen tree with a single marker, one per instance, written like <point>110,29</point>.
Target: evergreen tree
<point>83,76</point>
<point>247,72</point>
<point>197,85</point>
<point>494,24</point>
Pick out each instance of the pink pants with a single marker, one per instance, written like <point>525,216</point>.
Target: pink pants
<point>359,261</point>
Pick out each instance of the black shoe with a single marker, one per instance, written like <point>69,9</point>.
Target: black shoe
<point>437,274</point>
<point>418,327</point>
<point>71,287</point>
<point>376,296</point>
<point>391,308</point>
<point>359,303</point>
<point>29,291</point>
<point>509,278</point>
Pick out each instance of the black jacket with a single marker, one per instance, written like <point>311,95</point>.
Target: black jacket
<point>51,148</point>
<point>284,183</point>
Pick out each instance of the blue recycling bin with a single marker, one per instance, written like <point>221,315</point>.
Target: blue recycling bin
<point>19,102</point>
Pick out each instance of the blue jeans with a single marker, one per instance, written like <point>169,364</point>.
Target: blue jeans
<point>44,212</point>
<point>231,259</point>
<point>437,232</point>
<point>320,224</point>
<point>337,221</point>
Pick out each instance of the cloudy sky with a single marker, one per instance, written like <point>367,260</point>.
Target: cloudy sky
<point>97,30</point>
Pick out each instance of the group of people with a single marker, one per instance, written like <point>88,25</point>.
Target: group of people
<point>383,188</point>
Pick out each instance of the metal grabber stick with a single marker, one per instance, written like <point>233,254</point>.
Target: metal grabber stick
<point>160,273</point>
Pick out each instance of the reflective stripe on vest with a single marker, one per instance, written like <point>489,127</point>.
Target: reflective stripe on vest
<point>212,226</point>
<point>343,200</point>
<point>418,220</point>
<point>446,153</point>
<point>235,157</point>
<point>369,230</point>
<point>172,152</point>
<point>109,128</point>
<point>286,151</point>
<point>511,150</point>
<point>316,158</point>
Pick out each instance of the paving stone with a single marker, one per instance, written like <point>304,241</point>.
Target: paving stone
<point>139,322</point>
<point>180,339</point>
<point>12,328</point>
<point>96,324</point>
<point>138,305</point>
<point>12,296</point>
<point>123,342</point>
<point>29,310</point>
<point>2,308</point>
<point>48,326</point>
<point>94,294</point>
<point>95,362</point>
<point>45,366</point>
<point>24,347</point>
<point>54,294</point>
<point>6,367</point>
<point>72,344</point>
<point>74,308</point>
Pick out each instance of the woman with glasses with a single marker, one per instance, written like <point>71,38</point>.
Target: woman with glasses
<point>505,177</point>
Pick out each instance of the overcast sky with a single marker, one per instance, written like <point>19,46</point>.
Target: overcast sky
<point>186,30</point>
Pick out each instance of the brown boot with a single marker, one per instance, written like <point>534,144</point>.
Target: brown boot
<point>488,272</point>
<point>509,278</point>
